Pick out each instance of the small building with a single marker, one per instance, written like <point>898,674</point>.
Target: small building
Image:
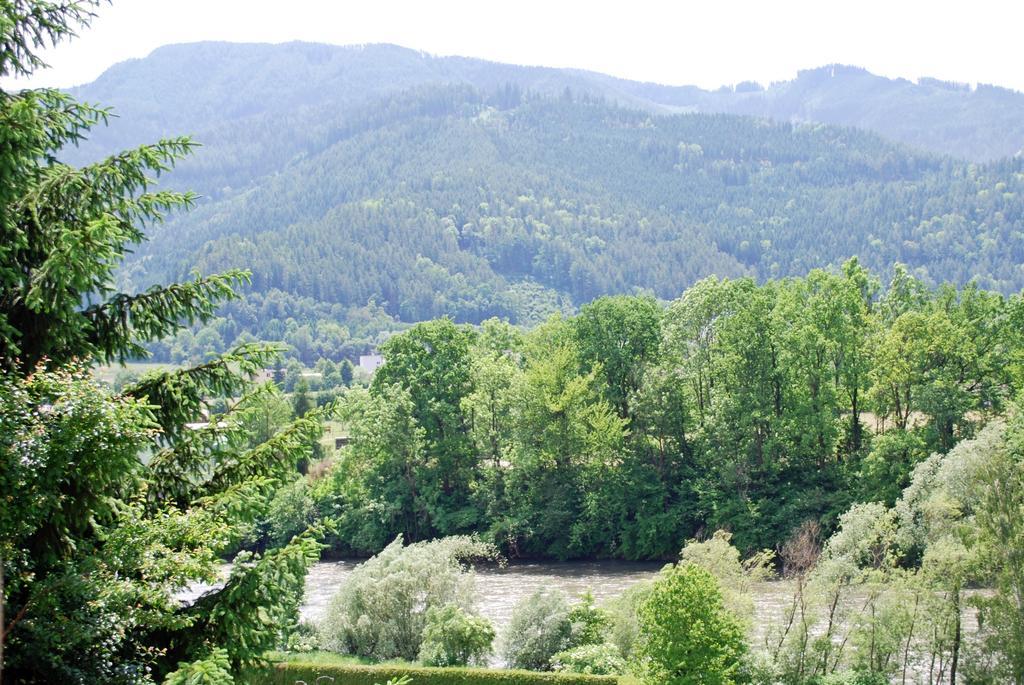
<point>341,441</point>
<point>370,362</point>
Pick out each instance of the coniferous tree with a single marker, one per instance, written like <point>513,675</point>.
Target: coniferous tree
<point>95,545</point>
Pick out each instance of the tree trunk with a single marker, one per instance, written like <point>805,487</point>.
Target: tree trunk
<point>956,636</point>
<point>2,625</point>
<point>855,427</point>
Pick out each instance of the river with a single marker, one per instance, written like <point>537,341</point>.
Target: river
<point>500,589</point>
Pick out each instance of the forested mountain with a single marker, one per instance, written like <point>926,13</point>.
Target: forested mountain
<point>206,88</point>
<point>980,124</point>
<point>355,193</point>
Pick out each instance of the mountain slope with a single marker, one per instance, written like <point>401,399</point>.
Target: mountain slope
<point>201,87</point>
<point>369,201</point>
<point>453,196</point>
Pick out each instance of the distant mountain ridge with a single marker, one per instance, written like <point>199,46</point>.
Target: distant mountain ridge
<point>178,87</point>
<point>368,188</point>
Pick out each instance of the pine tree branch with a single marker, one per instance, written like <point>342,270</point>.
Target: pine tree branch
<point>177,396</point>
<point>118,327</point>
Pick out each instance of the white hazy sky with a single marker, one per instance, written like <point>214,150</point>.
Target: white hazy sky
<point>702,42</point>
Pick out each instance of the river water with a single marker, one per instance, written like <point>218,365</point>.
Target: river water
<point>500,589</point>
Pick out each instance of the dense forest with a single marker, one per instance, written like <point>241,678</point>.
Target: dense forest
<point>368,188</point>
<point>632,427</point>
<point>449,202</point>
<point>210,88</point>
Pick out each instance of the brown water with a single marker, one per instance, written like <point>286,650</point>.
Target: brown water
<point>500,589</point>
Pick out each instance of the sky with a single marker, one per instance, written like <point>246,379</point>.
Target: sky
<point>708,43</point>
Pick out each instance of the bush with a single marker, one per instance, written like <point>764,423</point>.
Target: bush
<point>623,613</point>
<point>303,638</point>
<point>291,512</point>
<point>540,628</point>
<point>687,637</point>
<point>213,670</point>
<point>589,624</point>
<point>346,674</point>
<point>602,659</point>
<point>545,624</point>
<point>854,678</point>
<point>454,638</point>
<point>380,611</point>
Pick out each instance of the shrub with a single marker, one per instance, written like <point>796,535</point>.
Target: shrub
<point>623,614</point>
<point>347,674</point>
<point>540,628</point>
<point>213,670</point>
<point>454,638</point>
<point>380,611</point>
<point>303,638</point>
<point>291,511</point>
<point>545,624</point>
<point>589,623</point>
<point>854,678</point>
<point>735,577</point>
<point>593,659</point>
<point>687,637</point>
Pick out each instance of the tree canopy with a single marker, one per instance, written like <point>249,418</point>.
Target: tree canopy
<point>112,506</point>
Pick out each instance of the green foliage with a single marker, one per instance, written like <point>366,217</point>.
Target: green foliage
<point>885,471</point>
<point>374,488</point>
<point>291,512</point>
<point>301,403</point>
<point>69,228</point>
<point>96,541</point>
<point>545,624</point>
<point>592,659</point>
<point>997,490</point>
<point>624,614</point>
<point>454,638</point>
<point>687,634</point>
<point>540,627</point>
<point>508,229</point>
<point>213,670</point>
<point>619,335</point>
<point>431,362</point>
<point>259,603</point>
<point>288,673</point>
<point>854,678</point>
<point>735,577</point>
<point>589,623</point>
<point>263,414</point>
<point>382,609</point>
<point>759,408</point>
<point>887,598</point>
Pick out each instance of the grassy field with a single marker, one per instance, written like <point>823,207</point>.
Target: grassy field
<point>107,374</point>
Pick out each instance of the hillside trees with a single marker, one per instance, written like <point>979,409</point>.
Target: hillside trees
<point>434,203</point>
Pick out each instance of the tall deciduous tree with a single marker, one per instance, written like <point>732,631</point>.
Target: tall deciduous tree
<point>619,335</point>
<point>431,362</point>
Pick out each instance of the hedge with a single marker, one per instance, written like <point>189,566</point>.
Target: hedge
<point>346,674</point>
